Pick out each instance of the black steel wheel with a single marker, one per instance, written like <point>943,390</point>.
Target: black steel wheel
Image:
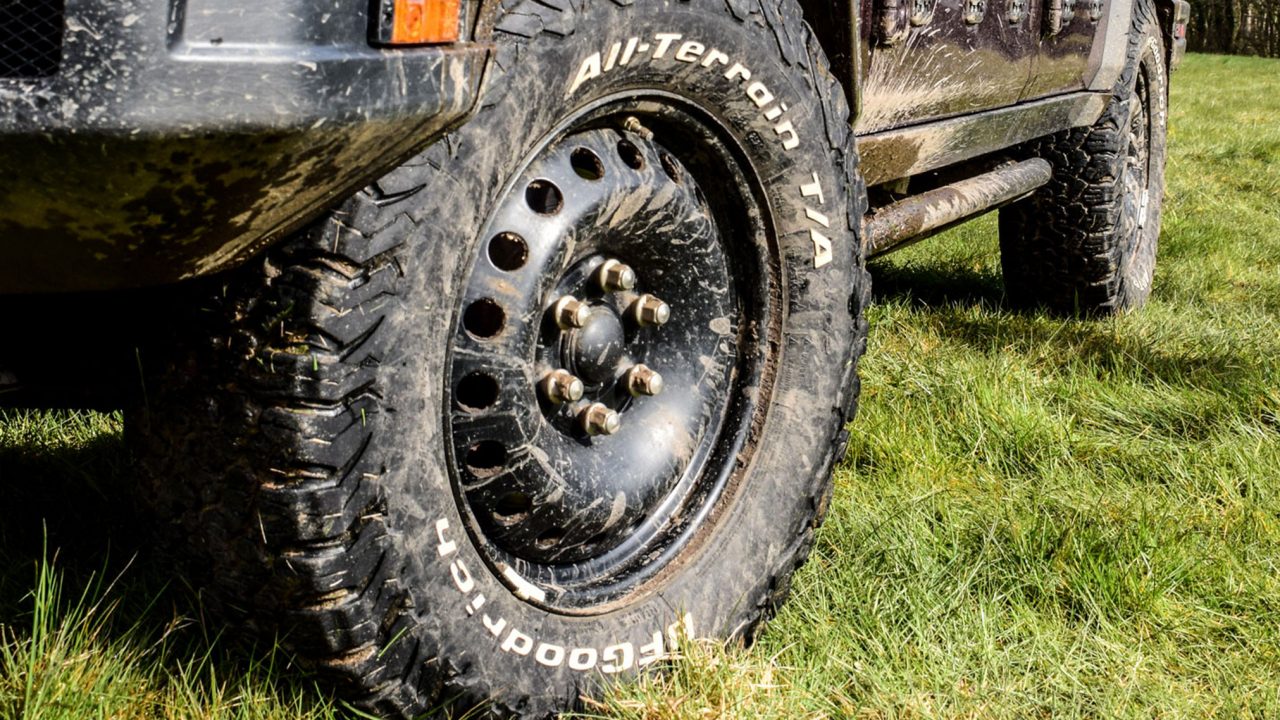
<point>551,397</point>
<point>595,425</point>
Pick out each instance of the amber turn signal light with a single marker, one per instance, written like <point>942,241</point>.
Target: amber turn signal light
<point>418,22</point>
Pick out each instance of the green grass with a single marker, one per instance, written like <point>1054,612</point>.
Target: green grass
<point>1037,517</point>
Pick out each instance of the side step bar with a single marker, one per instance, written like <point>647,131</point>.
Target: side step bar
<point>905,222</point>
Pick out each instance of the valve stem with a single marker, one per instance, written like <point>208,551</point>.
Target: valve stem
<point>633,124</point>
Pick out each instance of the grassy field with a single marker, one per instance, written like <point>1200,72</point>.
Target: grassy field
<point>1037,517</point>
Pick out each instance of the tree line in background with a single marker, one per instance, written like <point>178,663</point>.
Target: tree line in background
<point>1239,27</point>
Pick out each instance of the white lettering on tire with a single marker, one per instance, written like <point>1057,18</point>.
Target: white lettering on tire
<point>821,243</point>
<point>690,51</point>
<point>613,659</point>
<point>517,642</point>
<point>618,658</point>
<point>462,577</point>
<point>582,659</point>
<point>549,655</point>
<point>621,54</point>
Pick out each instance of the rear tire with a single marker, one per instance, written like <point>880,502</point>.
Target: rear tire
<point>1086,242</point>
<point>353,441</point>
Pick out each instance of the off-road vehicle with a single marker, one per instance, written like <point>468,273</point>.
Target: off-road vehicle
<point>490,349</point>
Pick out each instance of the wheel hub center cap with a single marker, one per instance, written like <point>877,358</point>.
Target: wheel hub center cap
<point>597,350</point>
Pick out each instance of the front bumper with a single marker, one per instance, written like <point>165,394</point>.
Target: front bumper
<point>179,137</point>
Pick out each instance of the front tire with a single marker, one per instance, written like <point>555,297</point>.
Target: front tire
<point>369,452</point>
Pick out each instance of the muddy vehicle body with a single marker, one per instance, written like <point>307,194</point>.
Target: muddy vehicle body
<point>494,349</point>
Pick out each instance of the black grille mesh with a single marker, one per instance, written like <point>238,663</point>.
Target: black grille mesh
<point>30,38</point>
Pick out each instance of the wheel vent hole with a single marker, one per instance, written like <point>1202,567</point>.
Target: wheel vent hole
<point>544,197</point>
<point>484,318</point>
<point>486,458</point>
<point>512,508</point>
<point>672,168</point>
<point>587,164</point>
<point>508,251</point>
<point>630,155</point>
<point>477,391</point>
<point>549,539</point>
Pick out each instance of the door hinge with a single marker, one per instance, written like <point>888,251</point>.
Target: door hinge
<point>1059,15</point>
<point>892,26</point>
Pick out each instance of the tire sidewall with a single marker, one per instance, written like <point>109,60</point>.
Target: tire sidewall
<point>1138,257</point>
<point>506,646</point>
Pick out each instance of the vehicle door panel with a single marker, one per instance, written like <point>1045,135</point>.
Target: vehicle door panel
<point>950,57</point>
<point>1071,29</point>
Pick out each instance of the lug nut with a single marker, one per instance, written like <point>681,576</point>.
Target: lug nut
<point>560,386</point>
<point>615,276</point>
<point>598,419</point>
<point>569,312</point>
<point>649,310</point>
<point>643,380</point>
